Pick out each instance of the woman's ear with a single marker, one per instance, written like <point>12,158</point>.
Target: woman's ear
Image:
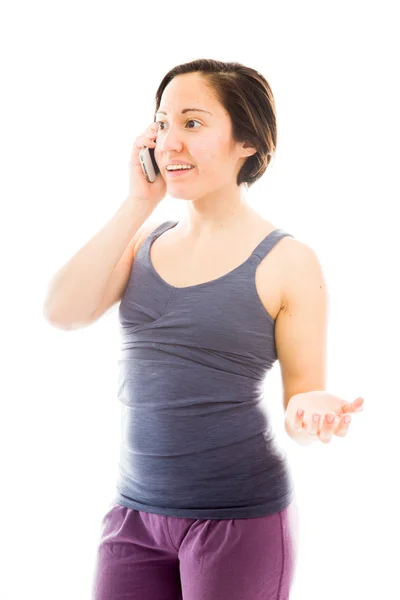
<point>248,149</point>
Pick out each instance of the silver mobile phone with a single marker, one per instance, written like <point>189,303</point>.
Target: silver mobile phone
<point>149,164</point>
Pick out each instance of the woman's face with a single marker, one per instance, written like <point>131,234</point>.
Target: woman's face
<point>203,139</point>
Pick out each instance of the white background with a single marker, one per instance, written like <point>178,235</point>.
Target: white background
<point>79,80</point>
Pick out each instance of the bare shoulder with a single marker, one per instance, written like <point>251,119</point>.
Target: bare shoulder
<point>300,265</point>
<point>296,253</point>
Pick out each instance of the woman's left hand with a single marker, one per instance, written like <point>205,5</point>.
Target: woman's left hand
<point>304,429</point>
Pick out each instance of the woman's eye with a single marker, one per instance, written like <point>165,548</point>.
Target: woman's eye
<point>189,121</point>
<point>193,121</point>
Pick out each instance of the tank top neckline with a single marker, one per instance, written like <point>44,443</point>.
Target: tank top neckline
<point>161,229</point>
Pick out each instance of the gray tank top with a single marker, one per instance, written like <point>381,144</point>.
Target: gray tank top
<point>195,441</point>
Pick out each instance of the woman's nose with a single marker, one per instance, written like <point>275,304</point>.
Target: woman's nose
<point>169,140</point>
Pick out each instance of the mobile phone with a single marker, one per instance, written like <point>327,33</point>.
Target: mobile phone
<point>149,164</point>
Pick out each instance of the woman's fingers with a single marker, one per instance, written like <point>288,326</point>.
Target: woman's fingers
<point>322,427</point>
<point>314,424</point>
<point>298,422</point>
<point>356,406</point>
<point>327,428</point>
<point>343,426</point>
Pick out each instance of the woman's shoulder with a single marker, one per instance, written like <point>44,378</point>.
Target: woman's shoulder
<point>145,230</point>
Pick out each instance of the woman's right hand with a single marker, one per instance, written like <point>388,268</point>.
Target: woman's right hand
<point>140,190</point>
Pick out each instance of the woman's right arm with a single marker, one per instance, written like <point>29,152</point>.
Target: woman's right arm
<point>78,288</point>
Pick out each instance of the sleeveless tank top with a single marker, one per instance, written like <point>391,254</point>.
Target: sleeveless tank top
<point>195,441</point>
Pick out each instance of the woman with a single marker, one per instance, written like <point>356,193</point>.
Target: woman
<point>205,506</point>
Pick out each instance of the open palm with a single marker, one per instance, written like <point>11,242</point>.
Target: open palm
<point>324,406</point>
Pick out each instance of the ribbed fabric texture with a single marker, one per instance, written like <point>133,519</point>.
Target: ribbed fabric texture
<point>195,441</point>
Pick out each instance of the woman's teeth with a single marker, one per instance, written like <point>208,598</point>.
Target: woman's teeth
<point>179,167</point>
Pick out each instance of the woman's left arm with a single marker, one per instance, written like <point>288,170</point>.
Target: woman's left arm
<point>301,341</point>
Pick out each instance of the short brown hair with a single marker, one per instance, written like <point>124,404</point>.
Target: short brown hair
<point>247,97</point>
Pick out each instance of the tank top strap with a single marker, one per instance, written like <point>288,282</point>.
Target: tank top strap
<point>162,228</point>
<point>269,242</point>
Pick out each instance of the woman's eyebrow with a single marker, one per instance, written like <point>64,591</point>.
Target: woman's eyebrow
<point>185,110</point>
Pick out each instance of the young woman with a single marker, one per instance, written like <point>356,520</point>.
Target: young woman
<point>205,506</point>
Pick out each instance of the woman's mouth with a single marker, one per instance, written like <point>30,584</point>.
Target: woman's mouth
<point>177,172</point>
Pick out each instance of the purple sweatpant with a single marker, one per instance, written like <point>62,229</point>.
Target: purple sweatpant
<point>145,556</point>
